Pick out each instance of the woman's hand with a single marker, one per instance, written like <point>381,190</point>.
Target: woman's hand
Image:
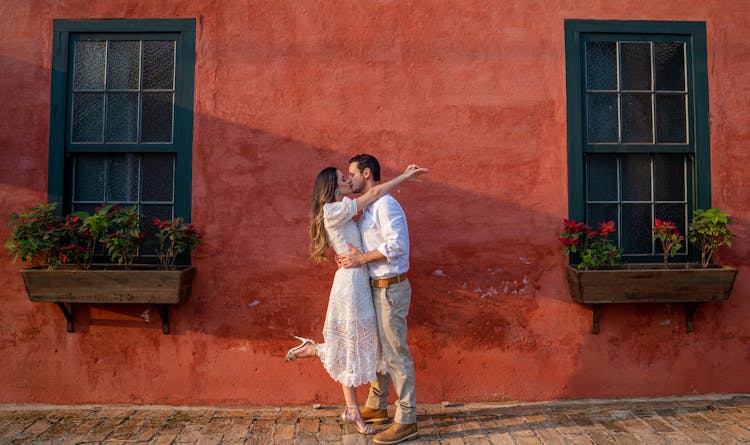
<point>413,171</point>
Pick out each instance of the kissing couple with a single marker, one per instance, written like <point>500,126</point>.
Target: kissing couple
<point>365,329</point>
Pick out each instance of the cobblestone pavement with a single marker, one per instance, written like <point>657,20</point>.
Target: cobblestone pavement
<point>679,420</point>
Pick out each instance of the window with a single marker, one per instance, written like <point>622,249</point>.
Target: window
<point>638,143</point>
<point>121,126</point>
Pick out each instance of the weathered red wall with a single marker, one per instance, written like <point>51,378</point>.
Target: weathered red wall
<point>476,91</point>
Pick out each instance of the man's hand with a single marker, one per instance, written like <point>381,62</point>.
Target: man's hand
<point>352,259</point>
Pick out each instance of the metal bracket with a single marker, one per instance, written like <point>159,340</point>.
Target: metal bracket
<point>67,310</point>
<point>164,312</point>
<point>596,310</point>
<point>690,309</point>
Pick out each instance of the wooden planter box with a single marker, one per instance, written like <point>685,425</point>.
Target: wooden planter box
<point>110,284</point>
<point>651,283</point>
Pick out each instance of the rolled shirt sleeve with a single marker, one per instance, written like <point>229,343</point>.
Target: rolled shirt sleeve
<point>384,228</point>
<point>395,234</point>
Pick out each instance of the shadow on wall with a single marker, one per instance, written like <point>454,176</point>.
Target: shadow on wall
<point>477,261</point>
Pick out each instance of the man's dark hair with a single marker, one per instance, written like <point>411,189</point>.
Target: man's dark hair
<point>367,161</point>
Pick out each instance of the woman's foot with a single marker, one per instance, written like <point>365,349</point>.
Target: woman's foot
<point>351,415</point>
<point>305,349</point>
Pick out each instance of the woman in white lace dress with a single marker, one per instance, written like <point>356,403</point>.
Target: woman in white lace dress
<point>351,349</point>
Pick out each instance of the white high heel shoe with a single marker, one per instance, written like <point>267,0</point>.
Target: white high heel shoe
<point>290,354</point>
<point>352,419</point>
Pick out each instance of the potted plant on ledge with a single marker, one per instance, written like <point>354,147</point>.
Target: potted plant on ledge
<point>599,278</point>
<point>61,251</point>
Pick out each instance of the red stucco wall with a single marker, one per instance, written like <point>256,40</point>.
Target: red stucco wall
<point>474,90</point>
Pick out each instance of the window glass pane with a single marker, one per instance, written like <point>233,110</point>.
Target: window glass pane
<point>123,64</point>
<point>601,117</point>
<point>158,177</point>
<point>156,120</point>
<point>122,181</point>
<point>669,177</point>
<point>148,213</point>
<point>669,69</point>
<point>635,60</point>
<point>596,213</point>
<point>635,230</point>
<point>88,208</point>
<point>601,178</point>
<point>122,117</point>
<point>88,117</point>
<point>672,212</point>
<point>88,65</point>
<point>601,65</point>
<point>671,122</point>
<point>636,177</point>
<point>89,178</point>
<point>121,171</point>
<point>158,64</point>
<point>636,118</point>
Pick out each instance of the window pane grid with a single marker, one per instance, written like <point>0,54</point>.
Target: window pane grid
<point>110,101</point>
<point>159,177</point>
<point>625,210</point>
<point>636,120</point>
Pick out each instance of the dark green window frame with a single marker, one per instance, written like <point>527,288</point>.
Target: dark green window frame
<point>698,175</point>
<point>65,32</point>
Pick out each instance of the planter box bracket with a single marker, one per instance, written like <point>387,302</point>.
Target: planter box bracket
<point>67,287</point>
<point>68,311</point>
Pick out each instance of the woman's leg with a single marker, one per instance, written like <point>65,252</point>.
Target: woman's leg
<point>352,413</point>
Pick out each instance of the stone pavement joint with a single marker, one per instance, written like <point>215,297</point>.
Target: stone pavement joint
<point>707,419</point>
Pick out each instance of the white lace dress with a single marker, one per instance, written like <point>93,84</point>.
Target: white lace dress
<point>351,349</point>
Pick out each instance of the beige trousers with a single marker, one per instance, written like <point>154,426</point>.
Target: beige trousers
<point>392,307</point>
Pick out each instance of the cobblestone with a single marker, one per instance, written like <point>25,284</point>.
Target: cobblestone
<point>718,419</point>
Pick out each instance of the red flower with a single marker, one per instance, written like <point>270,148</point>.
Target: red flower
<point>569,223</point>
<point>606,228</point>
<point>568,241</point>
<point>575,227</point>
<point>664,226</point>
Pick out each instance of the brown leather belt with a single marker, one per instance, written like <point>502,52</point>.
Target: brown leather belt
<point>385,282</point>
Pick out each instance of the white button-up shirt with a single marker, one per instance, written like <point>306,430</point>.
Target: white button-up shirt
<point>383,227</point>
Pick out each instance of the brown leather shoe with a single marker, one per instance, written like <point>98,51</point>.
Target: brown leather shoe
<point>396,433</point>
<point>372,415</point>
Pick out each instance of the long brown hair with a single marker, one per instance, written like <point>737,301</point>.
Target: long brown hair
<point>324,192</point>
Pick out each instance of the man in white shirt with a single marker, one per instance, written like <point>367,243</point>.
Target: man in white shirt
<point>385,238</point>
